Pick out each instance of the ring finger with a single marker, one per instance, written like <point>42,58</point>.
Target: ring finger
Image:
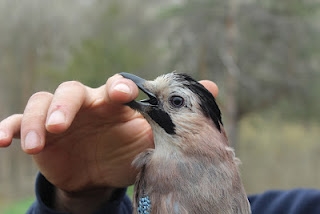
<point>33,122</point>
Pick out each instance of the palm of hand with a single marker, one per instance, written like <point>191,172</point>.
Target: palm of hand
<point>96,151</point>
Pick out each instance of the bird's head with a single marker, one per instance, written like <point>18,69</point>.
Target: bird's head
<point>177,107</point>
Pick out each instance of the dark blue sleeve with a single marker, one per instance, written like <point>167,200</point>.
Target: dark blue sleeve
<point>296,201</point>
<point>120,203</point>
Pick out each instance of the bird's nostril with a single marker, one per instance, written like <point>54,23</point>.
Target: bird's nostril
<point>153,101</point>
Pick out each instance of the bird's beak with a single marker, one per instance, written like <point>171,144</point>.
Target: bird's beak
<point>141,105</point>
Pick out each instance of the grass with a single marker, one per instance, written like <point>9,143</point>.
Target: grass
<point>17,207</point>
<point>130,191</point>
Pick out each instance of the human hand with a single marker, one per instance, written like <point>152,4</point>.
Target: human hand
<point>82,138</point>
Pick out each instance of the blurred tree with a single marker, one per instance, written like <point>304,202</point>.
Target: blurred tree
<point>122,39</point>
<point>35,36</point>
<point>257,51</point>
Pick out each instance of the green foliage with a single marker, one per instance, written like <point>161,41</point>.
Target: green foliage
<point>303,106</point>
<point>96,60</point>
<point>114,47</point>
<point>292,7</point>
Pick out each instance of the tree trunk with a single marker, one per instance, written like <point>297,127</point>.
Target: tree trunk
<point>202,62</point>
<point>232,86</point>
<point>28,74</point>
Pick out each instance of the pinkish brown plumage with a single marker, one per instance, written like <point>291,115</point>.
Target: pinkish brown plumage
<point>192,169</point>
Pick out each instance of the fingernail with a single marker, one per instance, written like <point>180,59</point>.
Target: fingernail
<point>32,140</point>
<point>57,117</point>
<point>122,88</point>
<point>3,134</point>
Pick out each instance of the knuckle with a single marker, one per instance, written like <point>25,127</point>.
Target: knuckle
<point>11,119</point>
<point>70,84</point>
<point>37,105</point>
<point>15,117</point>
<point>69,93</point>
<point>37,100</point>
<point>40,95</point>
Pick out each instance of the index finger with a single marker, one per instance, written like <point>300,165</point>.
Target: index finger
<point>9,129</point>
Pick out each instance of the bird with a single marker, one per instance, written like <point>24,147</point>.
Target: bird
<point>191,169</point>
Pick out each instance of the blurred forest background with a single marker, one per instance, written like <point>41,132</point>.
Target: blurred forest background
<point>263,54</point>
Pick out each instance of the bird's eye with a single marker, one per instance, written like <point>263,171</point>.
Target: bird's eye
<point>176,101</point>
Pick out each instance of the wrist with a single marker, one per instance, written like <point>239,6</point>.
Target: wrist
<point>50,199</point>
<point>82,202</point>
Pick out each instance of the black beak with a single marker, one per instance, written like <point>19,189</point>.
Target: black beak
<point>141,105</point>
